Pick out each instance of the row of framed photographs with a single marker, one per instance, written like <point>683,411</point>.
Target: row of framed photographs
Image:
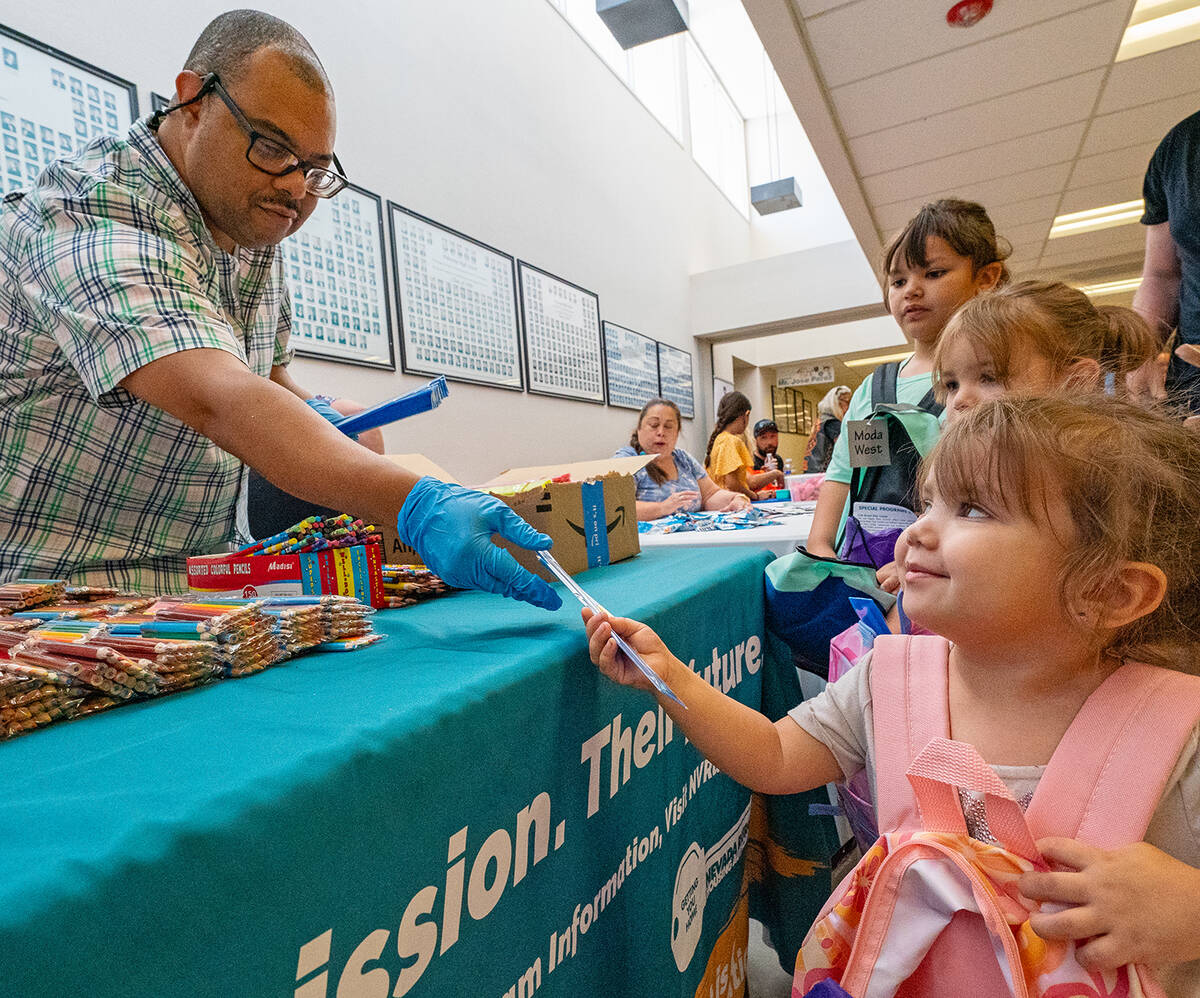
<point>466,310</point>
<point>476,314</point>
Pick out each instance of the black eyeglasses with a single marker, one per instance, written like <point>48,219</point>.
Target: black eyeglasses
<point>264,153</point>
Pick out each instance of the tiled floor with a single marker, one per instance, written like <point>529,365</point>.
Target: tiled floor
<point>766,978</point>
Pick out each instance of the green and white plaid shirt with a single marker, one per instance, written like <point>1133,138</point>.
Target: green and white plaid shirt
<point>105,266</point>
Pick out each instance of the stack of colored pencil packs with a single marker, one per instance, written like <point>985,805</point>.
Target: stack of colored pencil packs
<point>62,657</point>
<point>335,555</point>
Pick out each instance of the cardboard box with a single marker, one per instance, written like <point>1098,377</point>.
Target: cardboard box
<point>350,571</point>
<point>600,492</point>
<point>592,518</point>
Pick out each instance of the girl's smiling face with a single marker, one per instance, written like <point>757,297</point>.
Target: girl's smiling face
<point>922,298</point>
<point>980,572</point>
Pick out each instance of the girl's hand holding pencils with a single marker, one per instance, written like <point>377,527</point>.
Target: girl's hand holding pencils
<point>613,663</point>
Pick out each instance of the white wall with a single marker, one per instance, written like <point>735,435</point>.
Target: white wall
<point>495,118</point>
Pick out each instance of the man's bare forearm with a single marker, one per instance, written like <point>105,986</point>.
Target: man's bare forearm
<point>272,430</point>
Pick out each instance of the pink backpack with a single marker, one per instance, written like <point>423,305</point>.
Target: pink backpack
<point>931,912</point>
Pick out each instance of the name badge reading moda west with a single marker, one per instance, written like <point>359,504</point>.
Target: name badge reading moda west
<point>868,440</point>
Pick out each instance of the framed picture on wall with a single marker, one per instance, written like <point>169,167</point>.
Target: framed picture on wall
<point>335,270</point>
<point>721,388</point>
<point>784,409</point>
<point>457,299</point>
<point>564,351</point>
<point>53,103</point>
<point>631,362</point>
<point>158,101</point>
<point>675,379</point>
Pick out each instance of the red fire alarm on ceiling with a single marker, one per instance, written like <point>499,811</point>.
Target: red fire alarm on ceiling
<point>968,12</point>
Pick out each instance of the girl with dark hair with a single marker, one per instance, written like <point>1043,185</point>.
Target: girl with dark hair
<point>727,457</point>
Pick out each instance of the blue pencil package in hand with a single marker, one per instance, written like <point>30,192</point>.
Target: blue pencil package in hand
<point>421,400</point>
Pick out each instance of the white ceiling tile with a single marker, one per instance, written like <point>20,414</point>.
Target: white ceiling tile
<point>1034,110</point>
<point>874,36</point>
<point>977,73</point>
<point>811,8</point>
<point>1017,190</point>
<point>1023,250</point>
<point>1020,212</point>
<point>1099,195</point>
<point>1022,269</point>
<point>991,193</point>
<point>1022,235</point>
<point>1097,246</point>
<point>1158,76</point>
<point>1147,123</point>
<point>1114,165</point>
<point>1014,156</point>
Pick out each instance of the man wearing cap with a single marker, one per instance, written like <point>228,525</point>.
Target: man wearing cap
<point>768,469</point>
<point>144,328</point>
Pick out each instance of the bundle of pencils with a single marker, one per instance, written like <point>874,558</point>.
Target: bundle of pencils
<point>409,584</point>
<point>45,680</point>
<point>316,533</point>
<point>25,593</point>
<point>179,665</point>
<point>243,636</point>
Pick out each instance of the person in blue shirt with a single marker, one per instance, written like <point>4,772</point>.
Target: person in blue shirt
<point>674,481</point>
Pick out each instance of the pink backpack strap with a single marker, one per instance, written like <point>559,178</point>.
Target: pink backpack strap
<point>1107,775</point>
<point>911,707</point>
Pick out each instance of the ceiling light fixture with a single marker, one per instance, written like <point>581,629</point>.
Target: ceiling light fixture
<point>1159,24</point>
<point>635,22</point>
<point>873,361</point>
<point>1097,218</point>
<point>1110,287</point>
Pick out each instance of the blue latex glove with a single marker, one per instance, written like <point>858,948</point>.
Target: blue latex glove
<point>327,411</point>
<point>451,528</point>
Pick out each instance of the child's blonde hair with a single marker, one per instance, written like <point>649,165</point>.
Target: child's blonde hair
<point>966,229</point>
<point>1059,322</point>
<point>1130,480</point>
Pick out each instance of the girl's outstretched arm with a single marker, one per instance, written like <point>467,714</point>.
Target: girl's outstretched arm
<point>1135,904</point>
<point>772,758</point>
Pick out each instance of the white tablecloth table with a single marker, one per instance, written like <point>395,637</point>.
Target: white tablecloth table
<point>779,536</point>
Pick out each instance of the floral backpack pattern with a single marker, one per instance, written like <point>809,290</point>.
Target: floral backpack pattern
<point>930,911</point>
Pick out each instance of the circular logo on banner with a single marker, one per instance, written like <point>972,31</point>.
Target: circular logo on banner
<point>687,906</point>
<point>249,592</point>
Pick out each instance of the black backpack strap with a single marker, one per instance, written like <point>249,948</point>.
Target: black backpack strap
<point>930,404</point>
<point>883,383</point>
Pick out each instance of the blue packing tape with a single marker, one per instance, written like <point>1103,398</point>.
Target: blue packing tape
<point>595,531</point>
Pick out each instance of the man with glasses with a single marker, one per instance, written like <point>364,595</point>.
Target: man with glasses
<point>144,325</point>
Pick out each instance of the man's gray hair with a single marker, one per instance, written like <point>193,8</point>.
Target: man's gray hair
<point>225,46</point>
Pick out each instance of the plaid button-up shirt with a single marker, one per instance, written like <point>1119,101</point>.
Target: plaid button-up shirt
<point>106,265</point>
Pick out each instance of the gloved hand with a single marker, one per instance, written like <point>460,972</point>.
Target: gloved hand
<point>451,528</point>
<point>326,410</point>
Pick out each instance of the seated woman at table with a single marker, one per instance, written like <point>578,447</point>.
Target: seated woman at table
<point>674,480</point>
<point>728,460</point>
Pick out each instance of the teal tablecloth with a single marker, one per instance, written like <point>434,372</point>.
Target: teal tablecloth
<point>440,814</point>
